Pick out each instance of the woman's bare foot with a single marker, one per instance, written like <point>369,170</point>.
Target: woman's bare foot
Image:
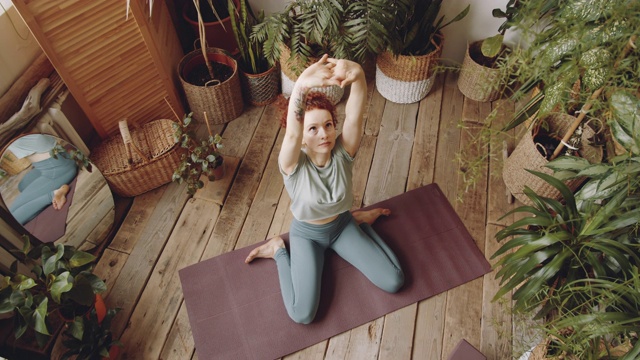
<point>369,216</point>
<point>267,250</point>
<point>60,197</point>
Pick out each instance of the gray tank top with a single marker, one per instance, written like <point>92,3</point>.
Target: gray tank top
<point>320,192</point>
<point>31,144</point>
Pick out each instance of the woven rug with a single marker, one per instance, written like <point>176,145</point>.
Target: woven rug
<point>236,310</point>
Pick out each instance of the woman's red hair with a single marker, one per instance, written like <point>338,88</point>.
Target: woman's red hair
<point>315,100</point>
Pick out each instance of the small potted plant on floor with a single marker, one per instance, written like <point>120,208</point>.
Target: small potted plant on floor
<point>479,77</point>
<point>61,284</point>
<point>211,80</point>
<point>405,71</point>
<point>260,80</point>
<point>201,158</point>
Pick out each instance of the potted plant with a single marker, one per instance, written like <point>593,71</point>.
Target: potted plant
<point>216,21</point>
<point>479,77</point>
<point>259,79</point>
<point>89,337</point>
<point>405,71</point>
<point>210,80</point>
<point>306,30</point>
<point>60,283</point>
<point>202,156</point>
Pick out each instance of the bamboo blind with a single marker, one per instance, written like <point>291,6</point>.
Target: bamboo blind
<point>115,68</point>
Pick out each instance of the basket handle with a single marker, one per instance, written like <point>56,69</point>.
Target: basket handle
<point>128,142</point>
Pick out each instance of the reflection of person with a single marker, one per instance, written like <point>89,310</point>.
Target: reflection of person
<point>317,177</point>
<point>47,183</point>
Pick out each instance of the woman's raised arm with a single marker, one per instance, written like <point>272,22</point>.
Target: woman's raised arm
<point>349,72</point>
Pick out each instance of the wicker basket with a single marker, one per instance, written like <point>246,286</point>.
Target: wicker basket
<point>13,165</point>
<point>478,82</point>
<point>526,156</point>
<point>407,79</point>
<point>140,160</point>
<point>222,102</point>
<point>261,89</point>
<point>289,76</point>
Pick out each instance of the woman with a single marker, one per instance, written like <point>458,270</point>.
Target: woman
<point>46,183</point>
<point>318,180</point>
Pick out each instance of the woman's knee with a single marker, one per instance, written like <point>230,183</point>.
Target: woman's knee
<point>394,283</point>
<point>304,317</point>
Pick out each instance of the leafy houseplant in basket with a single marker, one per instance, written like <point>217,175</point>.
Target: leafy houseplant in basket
<point>479,79</point>
<point>62,283</point>
<point>201,158</point>
<point>405,71</point>
<point>260,80</point>
<point>211,81</point>
<point>306,30</point>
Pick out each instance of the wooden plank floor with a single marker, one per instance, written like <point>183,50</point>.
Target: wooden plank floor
<point>403,147</point>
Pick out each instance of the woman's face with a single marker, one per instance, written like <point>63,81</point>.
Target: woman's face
<point>319,132</point>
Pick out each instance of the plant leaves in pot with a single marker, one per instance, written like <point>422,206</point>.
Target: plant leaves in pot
<point>405,71</point>
<point>215,20</point>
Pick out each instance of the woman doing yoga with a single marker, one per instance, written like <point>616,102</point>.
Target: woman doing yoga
<point>46,183</point>
<point>316,165</point>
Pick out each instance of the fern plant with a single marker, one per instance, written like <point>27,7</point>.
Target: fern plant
<point>344,29</point>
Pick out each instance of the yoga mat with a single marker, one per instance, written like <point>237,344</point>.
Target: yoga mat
<point>236,310</point>
<point>51,224</point>
<point>466,351</point>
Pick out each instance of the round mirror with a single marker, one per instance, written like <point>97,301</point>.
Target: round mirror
<point>55,193</point>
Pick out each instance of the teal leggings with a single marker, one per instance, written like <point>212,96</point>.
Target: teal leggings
<point>38,185</point>
<point>300,274</point>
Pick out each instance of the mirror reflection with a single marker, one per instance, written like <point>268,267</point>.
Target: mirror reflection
<point>53,193</point>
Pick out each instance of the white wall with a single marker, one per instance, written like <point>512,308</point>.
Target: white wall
<point>477,25</point>
<point>18,47</point>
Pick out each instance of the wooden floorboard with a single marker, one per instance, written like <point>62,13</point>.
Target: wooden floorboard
<point>403,147</point>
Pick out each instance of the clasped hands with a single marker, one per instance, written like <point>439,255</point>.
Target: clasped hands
<point>328,71</point>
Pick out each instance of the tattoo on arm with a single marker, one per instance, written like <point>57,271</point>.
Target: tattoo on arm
<point>300,104</point>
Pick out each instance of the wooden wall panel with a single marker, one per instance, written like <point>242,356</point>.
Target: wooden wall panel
<point>115,68</point>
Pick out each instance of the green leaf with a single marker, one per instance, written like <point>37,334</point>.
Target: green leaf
<point>39,316</point>
<point>50,259</point>
<point>60,285</point>
<point>491,46</point>
<point>80,258</point>
<point>572,163</point>
<point>24,282</point>
<point>76,328</point>
<point>596,171</point>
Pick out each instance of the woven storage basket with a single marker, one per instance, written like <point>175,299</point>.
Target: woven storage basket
<point>289,77</point>
<point>478,82</point>
<point>222,102</point>
<point>13,165</point>
<point>140,160</point>
<point>526,156</point>
<point>407,79</point>
<point>261,89</point>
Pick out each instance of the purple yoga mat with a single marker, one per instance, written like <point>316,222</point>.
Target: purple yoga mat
<point>466,351</point>
<point>51,224</point>
<point>236,310</point>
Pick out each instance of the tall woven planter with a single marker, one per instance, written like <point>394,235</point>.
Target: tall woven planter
<point>261,89</point>
<point>526,156</point>
<point>407,79</point>
<point>222,102</point>
<point>478,82</point>
<point>289,77</point>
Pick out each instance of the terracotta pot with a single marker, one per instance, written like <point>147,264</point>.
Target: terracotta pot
<point>217,35</point>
